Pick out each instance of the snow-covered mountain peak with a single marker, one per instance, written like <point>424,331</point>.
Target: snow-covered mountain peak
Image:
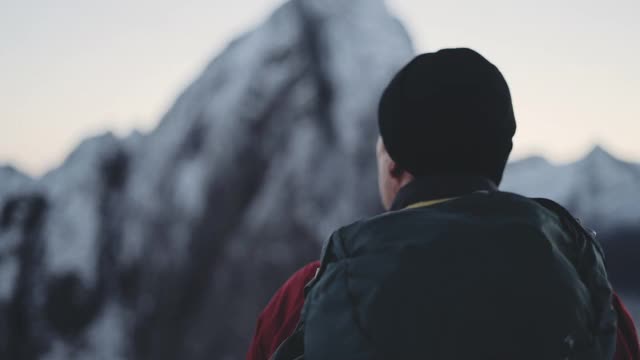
<point>13,181</point>
<point>261,157</point>
<point>599,157</point>
<point>166,245</point>
<point>10,173</point>
<point>598,151</point>
<point>599,188</point>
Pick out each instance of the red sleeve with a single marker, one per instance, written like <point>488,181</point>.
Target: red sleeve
<point>279,319</point>
<point>627,347</point>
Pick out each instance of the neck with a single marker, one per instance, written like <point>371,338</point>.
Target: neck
<point>434,187</point>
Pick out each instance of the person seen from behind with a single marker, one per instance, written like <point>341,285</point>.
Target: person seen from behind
<point>454,269</point>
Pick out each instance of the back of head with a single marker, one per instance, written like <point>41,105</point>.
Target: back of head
<point>448,113</point>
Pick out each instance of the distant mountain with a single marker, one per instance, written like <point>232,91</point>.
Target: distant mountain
<point>166,245</point>
<point>600,189</point>
<point>604,193</point>
<point>12,180</point>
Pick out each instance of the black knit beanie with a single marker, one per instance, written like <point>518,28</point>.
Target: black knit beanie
<point>448,113</point>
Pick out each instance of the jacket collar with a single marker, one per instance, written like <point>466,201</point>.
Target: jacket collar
<point>428,188</point>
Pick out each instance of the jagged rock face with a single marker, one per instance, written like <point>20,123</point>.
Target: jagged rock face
<point>594,188</point>
<point>167,245</point>
<point>258,161</point>
<point>60,231</point>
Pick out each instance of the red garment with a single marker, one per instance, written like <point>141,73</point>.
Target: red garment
<point>279,319</point>
<point>627,346</point>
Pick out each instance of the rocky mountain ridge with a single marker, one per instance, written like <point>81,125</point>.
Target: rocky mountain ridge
<point>166,245</point>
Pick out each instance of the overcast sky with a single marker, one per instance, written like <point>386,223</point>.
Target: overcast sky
<point>73,68</point>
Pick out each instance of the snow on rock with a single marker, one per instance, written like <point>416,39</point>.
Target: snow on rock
<point>166,245</point>
<point>13,181</point>
<point>258,161</point>
<point>602,191</point>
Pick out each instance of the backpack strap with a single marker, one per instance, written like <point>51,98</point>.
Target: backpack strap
<point>591,268</point>
<point>574,224</point>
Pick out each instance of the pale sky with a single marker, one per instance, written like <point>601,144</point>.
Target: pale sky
<point>73,68</point>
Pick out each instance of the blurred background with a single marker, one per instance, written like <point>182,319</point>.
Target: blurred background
<point>166,165</point>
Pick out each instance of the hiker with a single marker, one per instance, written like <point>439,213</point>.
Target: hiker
<point>455,269</point>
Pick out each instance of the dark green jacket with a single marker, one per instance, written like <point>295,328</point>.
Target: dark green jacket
<point>487,275</point>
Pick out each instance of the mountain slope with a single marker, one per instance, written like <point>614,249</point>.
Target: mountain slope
<point>600,189</point>
<point>166,245</point>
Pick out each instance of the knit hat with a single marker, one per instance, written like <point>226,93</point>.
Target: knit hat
<point>448,113</point>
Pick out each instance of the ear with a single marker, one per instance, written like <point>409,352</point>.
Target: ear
<point>395,170</point>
